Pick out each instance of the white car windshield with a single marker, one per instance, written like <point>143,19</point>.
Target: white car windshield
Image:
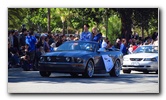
<point>146,49</point>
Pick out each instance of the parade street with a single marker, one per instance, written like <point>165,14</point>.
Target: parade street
<point>31,82</point>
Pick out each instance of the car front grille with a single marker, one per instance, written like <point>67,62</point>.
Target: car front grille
<point>136,59</point>
<point>56,59</point>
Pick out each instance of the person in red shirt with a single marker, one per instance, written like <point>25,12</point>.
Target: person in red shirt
<point>134,46</point>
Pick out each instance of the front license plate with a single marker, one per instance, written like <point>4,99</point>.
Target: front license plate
<point>135,63</point>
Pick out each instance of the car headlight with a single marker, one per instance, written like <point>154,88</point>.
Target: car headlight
<point>68,59</point>
<point>41,59</point>
<point>150,59</point>
<point>48,58</point>
<point>79,60</point>
<point>125,59</point>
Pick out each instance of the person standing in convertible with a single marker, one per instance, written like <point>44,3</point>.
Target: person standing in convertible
<point>86,35</point>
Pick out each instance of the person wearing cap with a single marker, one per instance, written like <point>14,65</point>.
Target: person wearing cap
<point>86,35</point>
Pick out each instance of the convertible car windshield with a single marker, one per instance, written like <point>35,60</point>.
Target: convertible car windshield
<point>71,46</point>
<point>146,49</point>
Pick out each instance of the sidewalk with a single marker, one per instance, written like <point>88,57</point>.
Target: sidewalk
<point>15,69</point>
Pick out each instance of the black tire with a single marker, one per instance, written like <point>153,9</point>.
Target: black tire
<point>115,72</point>
<point>127,71</point>
<point>156,72</point>
<point>74,74</point>
<point>89,71</point>
<point>45,73</point>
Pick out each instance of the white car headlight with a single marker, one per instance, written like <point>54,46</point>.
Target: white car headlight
<point>126,59</point>
<point>150,59</point>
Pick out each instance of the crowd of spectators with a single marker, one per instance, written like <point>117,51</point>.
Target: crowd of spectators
<point>26,47</point>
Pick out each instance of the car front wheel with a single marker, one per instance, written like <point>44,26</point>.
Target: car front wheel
<point>89,71</point>
<point>45,73</point>
<point>115,72</point>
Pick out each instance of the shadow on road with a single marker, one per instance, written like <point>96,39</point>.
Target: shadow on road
<point>33,76</point>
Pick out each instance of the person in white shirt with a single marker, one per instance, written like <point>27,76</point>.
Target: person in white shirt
<point>104,43</point>
<point>130,50</point>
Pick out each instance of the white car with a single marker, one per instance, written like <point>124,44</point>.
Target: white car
<point>144,58</point>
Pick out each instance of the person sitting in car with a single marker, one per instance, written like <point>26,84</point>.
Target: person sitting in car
<point>104,43</point>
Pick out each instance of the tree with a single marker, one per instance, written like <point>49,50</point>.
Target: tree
<point>114,27</point>
<point>126,19</point>
<point>112,22</point>
<point>15,17</point>
<point>144,16</point>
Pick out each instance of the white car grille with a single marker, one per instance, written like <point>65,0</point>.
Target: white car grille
<point>136,59</point>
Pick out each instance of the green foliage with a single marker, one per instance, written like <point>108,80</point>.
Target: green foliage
<point>114,27</point>
<point>145,19</point>
<point>15,17</point>
<point>75,18</point>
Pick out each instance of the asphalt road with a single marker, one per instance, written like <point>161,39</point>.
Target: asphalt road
<point>31,82</point>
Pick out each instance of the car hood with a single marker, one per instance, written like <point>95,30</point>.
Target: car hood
<point>68,53</point>
<point>141,55</point>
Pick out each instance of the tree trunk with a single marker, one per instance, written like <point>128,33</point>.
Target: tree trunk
<point>67,28</point>
<point>63,30</point>
<point>126,23</point>
<point>106,26</point>
<point>48,20</point>
<point>143,32</point>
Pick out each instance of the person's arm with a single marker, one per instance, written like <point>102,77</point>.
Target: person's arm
<point>121,47</point>
<point>26,40</point>
<point>90,38</point>
<point>81,36</point>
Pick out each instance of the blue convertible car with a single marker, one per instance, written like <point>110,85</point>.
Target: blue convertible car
<point>79,57</point>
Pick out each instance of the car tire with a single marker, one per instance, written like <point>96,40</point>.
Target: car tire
<point>45,73</point>
<point>115,72</point>
<point>89,71</point>
<point>127,71</point>
<point>74,74</point>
